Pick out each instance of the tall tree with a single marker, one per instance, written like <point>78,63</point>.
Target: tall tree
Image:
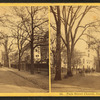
<point>32,21</point>
<point>72,17</point>
<point>4,41</point>
<point>21,39</point>
<point>56,13</point>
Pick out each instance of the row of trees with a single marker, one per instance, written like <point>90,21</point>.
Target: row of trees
<point>26,25</point>
<point>69,28</point>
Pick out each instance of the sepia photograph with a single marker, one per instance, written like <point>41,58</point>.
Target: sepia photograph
<point>24,49</point>
<point>75,48</point>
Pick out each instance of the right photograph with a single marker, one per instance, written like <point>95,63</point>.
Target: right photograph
<point>75,48</point>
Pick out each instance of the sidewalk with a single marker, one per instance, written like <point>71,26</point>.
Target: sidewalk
<point>38,79</point>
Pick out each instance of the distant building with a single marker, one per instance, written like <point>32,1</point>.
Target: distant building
<point>45,49</point>
<point>41,53</point>
<point>87,60</point>
<point>37,55</point>
<point>88,57</point>
<point>96,63</point>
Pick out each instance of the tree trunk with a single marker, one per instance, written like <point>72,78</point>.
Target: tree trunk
<point>19,62</point>
<point>32,39</point>
<point>76,69</point>
<point>53,60</point>
<point>6,60</point>
<point>58,51</point>
<point>69,60</point>
<point>98,63</point>
<point>32,64</point>
<point>69,72</point>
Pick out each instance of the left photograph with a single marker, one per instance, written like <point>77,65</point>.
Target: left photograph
<point>24,49</point>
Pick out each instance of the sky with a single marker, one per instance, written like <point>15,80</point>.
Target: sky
<point>7,10</point>
<point>81,45</point>
<point>91,16</point>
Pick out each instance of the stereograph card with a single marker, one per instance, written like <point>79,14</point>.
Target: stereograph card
<point>49,49</point>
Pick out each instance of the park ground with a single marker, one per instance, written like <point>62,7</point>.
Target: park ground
<point>14,81</point>
<point>89,82</point>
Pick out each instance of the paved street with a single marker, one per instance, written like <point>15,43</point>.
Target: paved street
<point>88,83</point>
<point>12,83</point>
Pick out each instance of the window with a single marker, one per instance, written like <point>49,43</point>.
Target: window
<point>87,66</point>
<point>88,55</point>
<point>83,61</point>
<point>88,45</point>
<point>36,50</point>
<point>37,55</point>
